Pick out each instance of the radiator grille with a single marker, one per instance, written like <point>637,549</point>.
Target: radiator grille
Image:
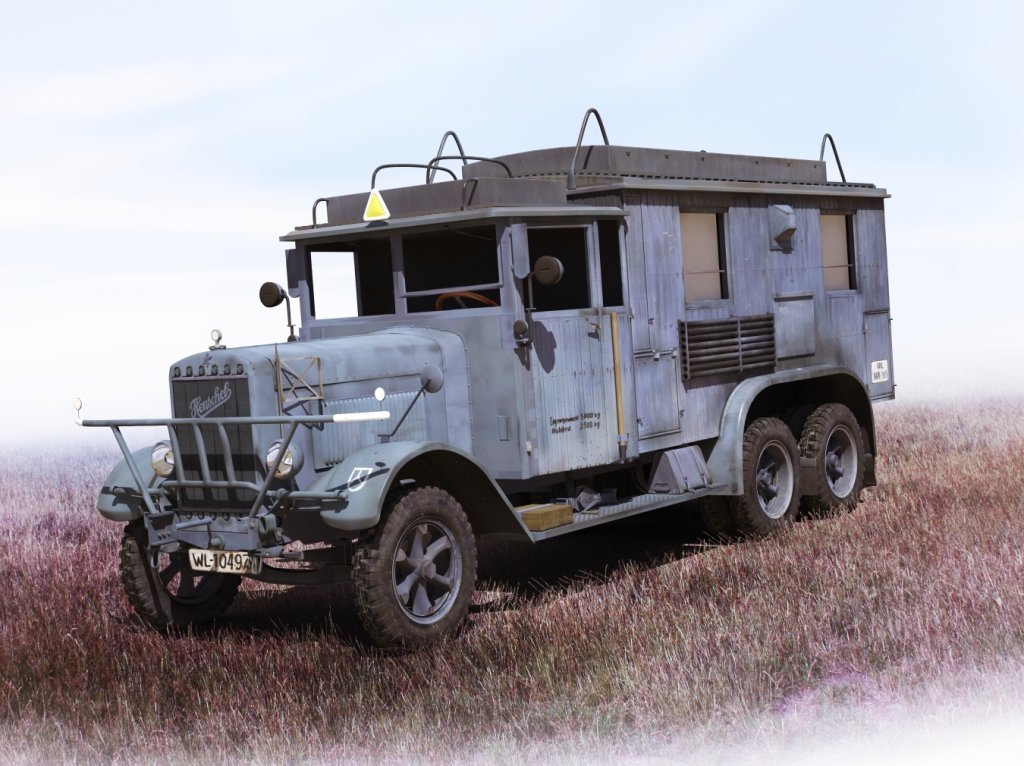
<point>215,397</point>
<point>719,346</point>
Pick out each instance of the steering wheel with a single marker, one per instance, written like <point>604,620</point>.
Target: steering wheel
<point>459,295</point>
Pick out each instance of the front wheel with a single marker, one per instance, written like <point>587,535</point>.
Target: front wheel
<point>170,594</point>
<point>771,479</point>
<point>414,577</point>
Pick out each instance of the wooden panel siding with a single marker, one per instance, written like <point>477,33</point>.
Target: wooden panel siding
<point>845,327</point>
<point>756,277</point>
<point>664,274</point>
<point>705,401</point>
<point>800,270</point>
<point>750,260</point>
<point>637,268</point>
<point>869,241</point>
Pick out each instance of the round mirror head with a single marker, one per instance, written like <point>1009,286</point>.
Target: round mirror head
<point>548,270</point>
<point>379,394</point>
<point>271,294</point>
<point>77,404</point>
<point>431,378</point>
<point>216,335</point>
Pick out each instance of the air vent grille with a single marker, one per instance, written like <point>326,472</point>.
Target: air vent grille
<point>720,346</point>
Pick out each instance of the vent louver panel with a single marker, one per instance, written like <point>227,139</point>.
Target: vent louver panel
<point>727,345</point>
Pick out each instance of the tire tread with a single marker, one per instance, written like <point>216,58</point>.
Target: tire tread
<point>746,509</point>
<point>147,596</point>
<point>817,428</point>
<point>371,570</point>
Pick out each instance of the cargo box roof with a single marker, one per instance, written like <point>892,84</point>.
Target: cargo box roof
<point>536,183</point>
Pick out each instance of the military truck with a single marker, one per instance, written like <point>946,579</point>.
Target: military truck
<point>538,343</point>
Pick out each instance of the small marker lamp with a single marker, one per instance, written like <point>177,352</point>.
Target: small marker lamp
<point>291,462</point>
<point>162,459</point>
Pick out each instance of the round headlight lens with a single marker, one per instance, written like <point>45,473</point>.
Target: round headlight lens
<point>163,459</point>
<point>291,463</point>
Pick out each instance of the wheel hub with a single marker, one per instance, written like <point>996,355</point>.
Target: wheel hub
<point>840,461</point>
<point>774,480</point>
<point>765,487</point>
<point>427,571</point>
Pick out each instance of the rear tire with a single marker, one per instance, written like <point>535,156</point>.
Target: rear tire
<point>171,595</point>
<point>833,438</point>
<point>771,479</point>
<point>414,577</point>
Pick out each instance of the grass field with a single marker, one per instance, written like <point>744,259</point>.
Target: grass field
<point>632,640</point>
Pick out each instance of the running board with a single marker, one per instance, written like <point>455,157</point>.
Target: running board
<point>631,507</point>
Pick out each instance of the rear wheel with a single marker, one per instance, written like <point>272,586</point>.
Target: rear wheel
<point>414,576</point>
<point>833,438</point>
<point>170,594</point>
<point>771,479</point>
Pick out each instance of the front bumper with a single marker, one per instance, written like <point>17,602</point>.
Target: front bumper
<point>134,490</point>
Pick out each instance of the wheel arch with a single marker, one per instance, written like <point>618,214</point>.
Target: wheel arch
<point>770,395</point>
<point>400,464</point>
<point>489,511</point>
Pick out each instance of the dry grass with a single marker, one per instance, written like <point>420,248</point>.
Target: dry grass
<point>627,637</point>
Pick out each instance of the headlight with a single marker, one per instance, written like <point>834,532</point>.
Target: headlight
<point>163,459</point>
<point>291,463</point>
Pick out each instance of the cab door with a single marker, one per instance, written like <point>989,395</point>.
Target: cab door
<point>572,357</point>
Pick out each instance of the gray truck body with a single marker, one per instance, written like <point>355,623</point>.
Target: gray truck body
<point>634,378</point>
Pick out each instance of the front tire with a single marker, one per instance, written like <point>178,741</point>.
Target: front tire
<point>771,479</point>
<point>170,595</point>
<point>414,577</point>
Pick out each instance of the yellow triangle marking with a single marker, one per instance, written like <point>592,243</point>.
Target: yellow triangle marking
<point>376,210</point>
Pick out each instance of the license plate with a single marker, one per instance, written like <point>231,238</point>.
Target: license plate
<point>228,562</point>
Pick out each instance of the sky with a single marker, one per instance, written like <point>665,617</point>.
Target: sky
<point>152,155</point>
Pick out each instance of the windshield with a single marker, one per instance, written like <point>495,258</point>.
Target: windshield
<point>438,271</point>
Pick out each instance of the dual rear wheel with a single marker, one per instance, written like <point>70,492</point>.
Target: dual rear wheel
<point>772,493</point>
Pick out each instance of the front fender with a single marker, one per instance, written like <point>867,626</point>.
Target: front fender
<point>365,478</point>
<point>119,498</point>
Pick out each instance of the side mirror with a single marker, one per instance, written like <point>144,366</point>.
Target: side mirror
<point>271,294</point>
<point>431,378</point>
<point>548,270</point>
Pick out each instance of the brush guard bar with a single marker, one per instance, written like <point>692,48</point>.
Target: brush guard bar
<point>232,482</point>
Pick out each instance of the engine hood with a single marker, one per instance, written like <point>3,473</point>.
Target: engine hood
<point>393,353</point>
